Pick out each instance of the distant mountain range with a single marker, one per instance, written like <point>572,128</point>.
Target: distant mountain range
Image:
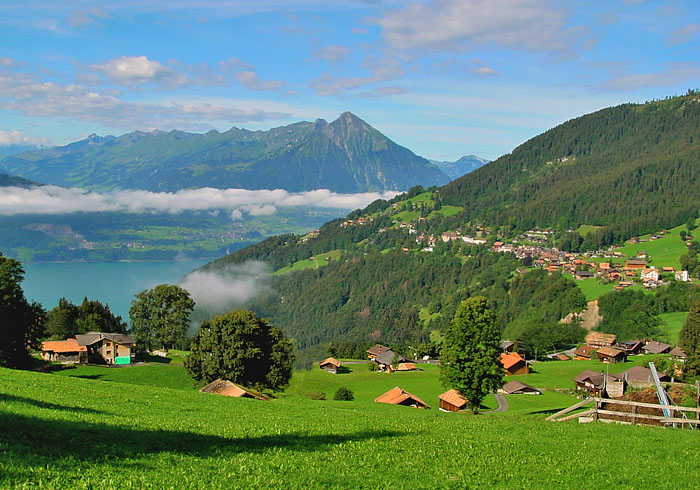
<point>347,155</point>
<point>463,166</point>
<point>7,150</point>
<point>9,180</point>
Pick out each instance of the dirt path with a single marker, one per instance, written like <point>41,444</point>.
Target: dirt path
<point>590,317</point>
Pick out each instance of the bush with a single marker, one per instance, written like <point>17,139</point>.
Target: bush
<point>316,396</point>
<point>344,394</point>
<point>372,366</point>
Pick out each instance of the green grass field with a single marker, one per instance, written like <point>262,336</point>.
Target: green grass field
<point>663,252</point>
<point>312,263</point>
<point>61,432</point>
<point>671,326</point>
<point>592,288</point>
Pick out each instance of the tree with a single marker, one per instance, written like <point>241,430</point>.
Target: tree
<point>344,394</point>
<point>470,355</point>
<point>242,348</point>
<point>66,319</point>
<point>21,323</point>
<point>689,339</point>
<point>161,316</point>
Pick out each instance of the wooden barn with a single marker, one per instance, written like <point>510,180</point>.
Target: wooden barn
<point>452,401</point>
<point>513,364</point>
<point>640,377</point>
<point>376,350</point>
<point>64,351</point>
<point>584,353</point>
<point>599,384</point>
<point>518,388</point>
<point>656,348</point>
<point>406,366</point>
<point>610,355</point>
<point>600,339</point>
<point>227,388</point>
<point>330,365</point>
<point>397,396</point>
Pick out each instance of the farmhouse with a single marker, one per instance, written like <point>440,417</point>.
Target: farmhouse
<point>452,401</point>
<point>610,355</point>
<point>386,358</point>
<point>597,384</point>
<point>518,388</point>
<point>630,347</point>
<point>330,365</point>
<point>507,346</point>
<point>679,354</point>
<point>640,377</point>
<point>513,363</point>
<point>682,276</point>
<point>375,350</point>
<point>635,264</point>
<point>599,339</point>
<point>584,274</point>
<point>584,353</point>
<point>112,348</point>
<point>64,351</point>
<point>656,348</point>
<point>397,396</point>
<point>227,388</point>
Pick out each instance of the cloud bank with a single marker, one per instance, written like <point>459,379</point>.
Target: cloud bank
<point>59,200</point>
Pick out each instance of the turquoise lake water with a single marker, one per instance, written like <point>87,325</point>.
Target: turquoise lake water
<point>114,283</point>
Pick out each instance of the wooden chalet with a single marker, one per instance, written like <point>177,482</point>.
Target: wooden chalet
<point>584,274</point>
<point>584,353</point>
<point>227,388</point>
<point>513,363</point>
<point>111,348</point>
<point>678,354</point>
<point>385,359</point>
<point>507,346</point>
<point>600,339</point>
<point>519,388</point>
<point>611,355</point>
<point>397,396</point>
<point>599,384</point>
<point>631,347</point>
<point>656,348</point>
<point>406,366</point>
<point>330,365</point>
<point>635,264</point>
<point>64,351</point>
<point>560,357</point>
<point>452,401</point>
<point>376,350</point>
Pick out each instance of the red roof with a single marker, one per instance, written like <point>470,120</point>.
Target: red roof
<point>510,359</point>
<point>453,398</point>
<point>69,345</point>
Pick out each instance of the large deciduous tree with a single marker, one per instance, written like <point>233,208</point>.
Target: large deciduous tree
<point>245,349</point>
<point>470,361</point>
<point>21,323</point>
<point>689,340</point>
<point>161,316</point>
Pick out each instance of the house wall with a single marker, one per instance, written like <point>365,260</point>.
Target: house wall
<point>448,406</point>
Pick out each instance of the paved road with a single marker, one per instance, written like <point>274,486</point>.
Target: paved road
<point>502,404</point>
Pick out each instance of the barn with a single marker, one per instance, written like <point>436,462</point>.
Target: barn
<point>452,401</point>
<point>513,363</point>
<point>227,388</point>
<point>518,388</point>
<point>330,365</point>
<point>397,396</point>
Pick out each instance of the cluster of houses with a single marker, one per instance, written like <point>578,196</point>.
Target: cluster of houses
<point>97,347</point>
<point>606,348</point>
<point>594,383</point>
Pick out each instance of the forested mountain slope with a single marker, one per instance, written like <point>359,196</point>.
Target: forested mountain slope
<point>9,180</point>
<point>346,155</point>
<point>633,168</point>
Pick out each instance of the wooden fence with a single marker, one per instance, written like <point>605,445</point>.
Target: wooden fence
<point>675,418</point>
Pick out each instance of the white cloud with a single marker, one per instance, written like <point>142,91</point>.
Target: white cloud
<point>6,62</point>
<point>250,80</point>
<point>18,138</point>
<point>137,70</point>
<point>59,200</point>
<point>334,54</point>
<point>684,34</point>
<point>454,24</point>
<point>671,75</point>
<point>380,69</point>
<point>485,71</point>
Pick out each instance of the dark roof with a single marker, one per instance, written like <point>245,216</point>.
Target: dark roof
<point>514,387</point>
<point>610,352</point>
<point>678,352</point>
<point>657,347</point>
<point>93,337</point>
<point>506,343</point>
<point>640,374</point>
<point>387,357</point>
<point>585,375</point>
<point>585,351</point>
<point>377,349</point>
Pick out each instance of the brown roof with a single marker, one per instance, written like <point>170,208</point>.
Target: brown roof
<point>513,387</point>
<point>510,359</point>
<point>397,396</point>
<point>406,366</point>
<point>585,351</point>
<point>585,375</point>
<point>678,352</point>
<point>332,361</point>
<point>609,352</point>
<point>453,398</point>
<point>60,346</point>
<point>92,337</point>
<point>377,349</point>
<point>600,338</point>
<point>227,388</point>
<point>657,347</point>
<point>561,357</point>
<point>641,374</point>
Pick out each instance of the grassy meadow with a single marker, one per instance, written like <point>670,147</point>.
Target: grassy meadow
<point>66,432</point>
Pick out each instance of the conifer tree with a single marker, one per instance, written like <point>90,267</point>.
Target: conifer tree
<point>689,339</point>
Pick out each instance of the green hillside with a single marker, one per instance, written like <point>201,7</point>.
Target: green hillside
<point>346,155</point>
<point>81,433</point>
<point>9,180</point>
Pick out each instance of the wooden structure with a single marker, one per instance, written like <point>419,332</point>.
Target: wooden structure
<point>406,366</point>
<point>629,417</point>
<point>641,377</point>
<point>656,348</point>
<point>518,388</point>
<point>111,348</point>
<point>64,351</point>
<point>610,355</point>
<point>397,396</point>
<point>227,388</point>
<point>595,383</point>
<point>513,363</point>
<point>584,353</point>
<point>507,346</point>
<point>376,350</point>
<point>330,365</point>
<point>452,401</point>
<point>600,339</point>
<point>631,347</point>
<point>385,360</point>
<point>560,357</point>
<point>679,354</point>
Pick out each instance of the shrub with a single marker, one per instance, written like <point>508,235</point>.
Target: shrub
<point>372,366</point>
<point>344,394</point>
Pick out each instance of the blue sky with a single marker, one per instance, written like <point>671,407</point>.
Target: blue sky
<point>442,77</point>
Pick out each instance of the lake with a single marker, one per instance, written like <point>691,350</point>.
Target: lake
<point>114,283</point>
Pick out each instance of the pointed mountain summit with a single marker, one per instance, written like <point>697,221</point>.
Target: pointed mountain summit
<point>347,155</point>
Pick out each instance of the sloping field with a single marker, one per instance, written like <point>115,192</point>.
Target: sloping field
<point>62,432</point>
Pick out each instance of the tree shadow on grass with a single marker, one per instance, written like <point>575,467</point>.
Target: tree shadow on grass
<point>31,441</point>
<point>51,406</point>
<point>86,376</point>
